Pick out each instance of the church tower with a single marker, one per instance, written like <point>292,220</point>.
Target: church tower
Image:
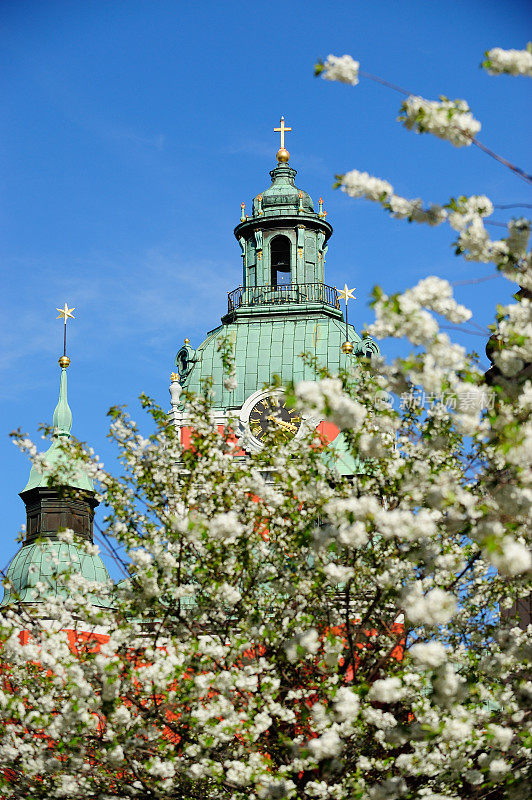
<point>32,574</point>
<point>283,308</point>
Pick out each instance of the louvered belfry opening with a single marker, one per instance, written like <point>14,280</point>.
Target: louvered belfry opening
<point>280,261</point>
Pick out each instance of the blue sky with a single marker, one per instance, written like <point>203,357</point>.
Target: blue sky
<point>133,130</point>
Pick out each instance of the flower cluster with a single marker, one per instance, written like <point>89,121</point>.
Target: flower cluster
<point>447,119</point>
<point>413,210</point>
<point>464,214</point>
<point>328,399</point>
<point>508,62</point>
<point>339,68</point>
<point>361,184</point>
<point>407,314</point>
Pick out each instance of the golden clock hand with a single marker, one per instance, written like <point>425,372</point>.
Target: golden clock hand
<point>282,424</point>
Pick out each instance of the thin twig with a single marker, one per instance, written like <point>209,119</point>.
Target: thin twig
<point>384,83</point>
<point>495,222</point>
<point>463,330</point>
<point>518,171</point>
<point>512,205</point>
<point>475,280</point>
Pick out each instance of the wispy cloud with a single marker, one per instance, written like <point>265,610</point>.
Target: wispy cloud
<point>137,302</point>
<point>79,109</point>
<point>121,134</point>
<point>252,147</point>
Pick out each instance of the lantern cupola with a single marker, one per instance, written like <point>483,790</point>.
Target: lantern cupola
<point>283,242</point>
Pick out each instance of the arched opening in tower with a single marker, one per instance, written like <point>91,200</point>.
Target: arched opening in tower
<point>280,261</point>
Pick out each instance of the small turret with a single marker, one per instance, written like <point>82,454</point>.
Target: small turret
<point>51,508</point>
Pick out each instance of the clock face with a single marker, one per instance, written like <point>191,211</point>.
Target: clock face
<point>270,413</point>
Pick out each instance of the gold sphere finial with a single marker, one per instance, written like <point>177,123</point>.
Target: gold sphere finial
<point>64,362</point>
<point>282,155</point>
<point>347,348</point>
<point>187,341</point>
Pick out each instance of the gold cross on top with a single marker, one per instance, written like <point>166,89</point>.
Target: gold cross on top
<point>282,130</point>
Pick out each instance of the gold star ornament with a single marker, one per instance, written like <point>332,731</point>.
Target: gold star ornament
<point>65,313</point>
<point>347,294</point>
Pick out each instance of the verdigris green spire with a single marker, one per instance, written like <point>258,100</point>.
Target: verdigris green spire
<point>73,474</point>
<point>62,420</point>
<point>66,502</point>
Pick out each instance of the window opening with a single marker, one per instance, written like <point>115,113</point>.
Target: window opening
<point>280,261</point>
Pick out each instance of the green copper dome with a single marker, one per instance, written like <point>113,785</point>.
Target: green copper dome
<point>268,344</point>
<point>283,196</point>
<point>41,563</point>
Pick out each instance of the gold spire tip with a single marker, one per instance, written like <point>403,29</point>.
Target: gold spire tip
<point>65,313</point>
<point>346,294</point>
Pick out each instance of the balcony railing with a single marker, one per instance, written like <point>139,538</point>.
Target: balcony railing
<point>280,295</point>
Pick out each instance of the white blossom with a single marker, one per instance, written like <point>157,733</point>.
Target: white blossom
<point>446,119</point>
<point>277,616</point>
<point>305,643</point>
<point>436,294</point>
<point>436,607</point>
<point>498,767</point>
<point>229,594</point>
<point>336,573</point>
<point>502,736</point>
<point>428,654</point>
<point>327,397</point>
<point>346,704</point>
<point>513,558</point>
<point>413,210</point>
<point>447,684</point>
<point>325,746</point>
<point>340,68</point>
<point>116,755</point>
<point>387,690</point>
<point>509,62</point>
<point>361,184</point>
<point>161,769</point>
<point>225,526</point>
